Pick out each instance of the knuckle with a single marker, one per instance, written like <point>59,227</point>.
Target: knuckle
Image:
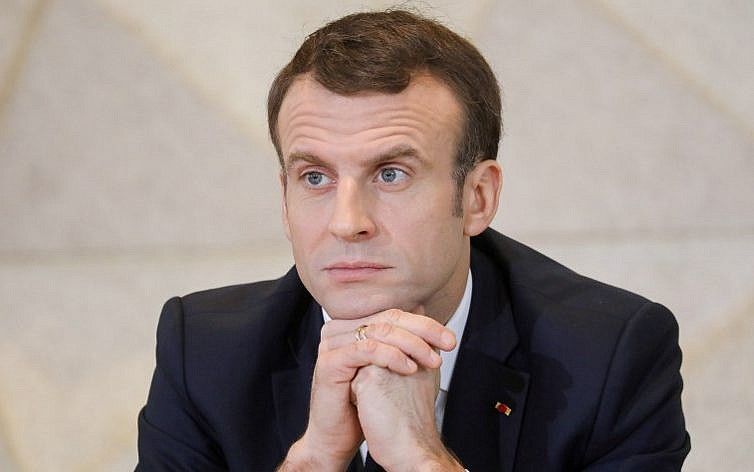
<point>367,345</point>
<point>369,373</point>
<point>362,379</point>
<point>322,364</point>
<point>393,315</point>
<point>397,358</point>
<point>430,324</point>
<point>325,344</point>
<point>357,384</point>
<point>382,329</point>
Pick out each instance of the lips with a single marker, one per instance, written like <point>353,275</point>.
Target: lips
<point>355,271</point>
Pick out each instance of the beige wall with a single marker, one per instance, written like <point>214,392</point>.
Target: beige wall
<point>135,166</point>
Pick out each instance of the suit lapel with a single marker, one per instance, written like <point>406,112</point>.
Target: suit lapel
<point>291,381</point>
<point>480,435</point>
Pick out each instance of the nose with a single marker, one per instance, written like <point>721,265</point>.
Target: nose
<point>351,220</point>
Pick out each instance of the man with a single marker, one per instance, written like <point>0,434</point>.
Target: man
<point>387,126</point>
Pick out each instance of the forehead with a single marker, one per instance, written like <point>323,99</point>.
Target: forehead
<point>426,115</point>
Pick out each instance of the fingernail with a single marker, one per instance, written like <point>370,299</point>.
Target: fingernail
<point>436,357</point>
<point>448,339</point>
<point>411,364</point>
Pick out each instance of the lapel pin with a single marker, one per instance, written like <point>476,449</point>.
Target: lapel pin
<point>503,408</point>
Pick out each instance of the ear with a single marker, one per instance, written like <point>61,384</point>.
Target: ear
<point>284,205</point>
<point>481,193</point>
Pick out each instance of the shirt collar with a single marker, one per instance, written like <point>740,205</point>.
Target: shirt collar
<point>456,323</point>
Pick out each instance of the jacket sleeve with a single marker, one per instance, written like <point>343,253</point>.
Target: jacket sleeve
<point>639,424</point>
<point>172,433</point>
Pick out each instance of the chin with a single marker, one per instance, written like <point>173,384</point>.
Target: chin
<point>354,307</point>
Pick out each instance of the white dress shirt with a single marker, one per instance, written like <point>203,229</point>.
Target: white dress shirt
<point>456,323</point>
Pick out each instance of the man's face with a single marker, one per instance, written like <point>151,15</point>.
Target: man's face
<point>369,197</point>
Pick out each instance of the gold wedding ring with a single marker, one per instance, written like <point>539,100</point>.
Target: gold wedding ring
<point>361,333</point>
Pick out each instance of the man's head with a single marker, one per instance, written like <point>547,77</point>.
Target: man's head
<point>382,52</point>
<point>387,164</point>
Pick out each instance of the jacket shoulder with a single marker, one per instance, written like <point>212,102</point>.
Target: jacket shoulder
<point>535,278</point>
<point>214,332</point>
<point>247,297</point>
<point>558,313</point>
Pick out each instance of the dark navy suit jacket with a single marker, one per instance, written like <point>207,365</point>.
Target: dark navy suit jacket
<point>589,371</point>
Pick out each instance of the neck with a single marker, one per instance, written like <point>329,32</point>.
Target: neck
<point>446,304</point>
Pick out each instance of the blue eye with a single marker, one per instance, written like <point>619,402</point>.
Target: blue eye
<point>391,175</point>
<point>316,179</point>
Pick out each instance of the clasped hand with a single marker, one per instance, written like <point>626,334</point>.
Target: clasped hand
<point>382,389</point>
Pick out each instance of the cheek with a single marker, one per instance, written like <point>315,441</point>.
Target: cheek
<point>302,233</point>
<point>425,210</point>
<point>430,240</point>
<point>304,217</point>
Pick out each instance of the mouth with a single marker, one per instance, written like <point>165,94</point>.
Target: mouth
<point>356,271</point>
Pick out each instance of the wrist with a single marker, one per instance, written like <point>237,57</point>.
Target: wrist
<point>435,459</point>
<point>297,459</point>
<point>440,463</point>
<point>303,455</point>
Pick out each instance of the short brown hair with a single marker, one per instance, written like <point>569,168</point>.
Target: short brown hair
<point>381,52</point>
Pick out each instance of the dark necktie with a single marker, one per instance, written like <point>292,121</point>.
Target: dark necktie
<point>371,465</point>
<point>357,465</point>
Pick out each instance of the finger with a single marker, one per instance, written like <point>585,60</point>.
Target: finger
<point>340,365</point>
<point>423,326</point>
<point>387,333</point>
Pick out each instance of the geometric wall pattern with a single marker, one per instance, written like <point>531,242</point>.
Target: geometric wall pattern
<point>136,166</point>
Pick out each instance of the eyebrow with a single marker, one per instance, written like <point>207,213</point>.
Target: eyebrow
<point>401,150</point>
